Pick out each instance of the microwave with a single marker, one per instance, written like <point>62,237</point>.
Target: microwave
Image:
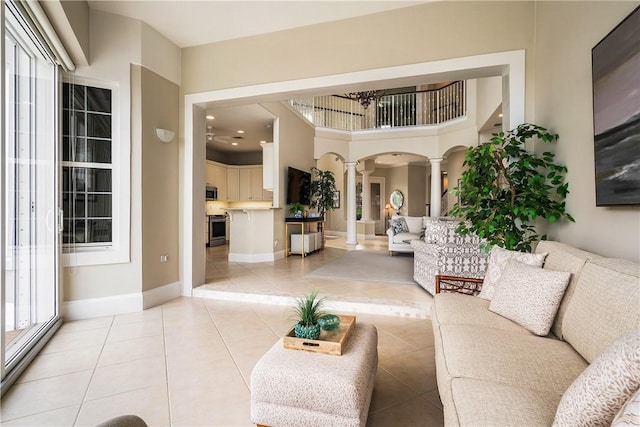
<point>211,193</point>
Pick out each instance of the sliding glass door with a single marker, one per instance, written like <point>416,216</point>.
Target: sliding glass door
<point>29,192</point>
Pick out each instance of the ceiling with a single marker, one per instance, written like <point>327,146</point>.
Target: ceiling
<point>191,23</point>
<point>253,120</point>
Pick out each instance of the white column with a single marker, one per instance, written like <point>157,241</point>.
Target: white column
<point>351,203</point>
<point>366,196</point>
<point>436,185</point>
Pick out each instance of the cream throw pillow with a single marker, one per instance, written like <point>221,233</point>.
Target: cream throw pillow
<point>596,396</point>
<point>496,264</point>
<point>629,414</point>
<point>530,296</point>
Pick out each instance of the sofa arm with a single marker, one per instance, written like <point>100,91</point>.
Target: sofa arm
<point>458,284</point>
<point>390,232</point>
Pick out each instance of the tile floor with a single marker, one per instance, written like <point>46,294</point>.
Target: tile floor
<point>188,361</point>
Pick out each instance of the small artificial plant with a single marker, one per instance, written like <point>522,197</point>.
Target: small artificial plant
<point>306,313</point>
<point>505,189</point>
<point>296,207</point>
<point>323,187</point>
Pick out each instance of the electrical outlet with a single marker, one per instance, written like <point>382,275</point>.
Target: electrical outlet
<point>164,258</point>
<point>275,243</point>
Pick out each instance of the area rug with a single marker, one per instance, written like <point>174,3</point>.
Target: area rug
<point>369,266</point>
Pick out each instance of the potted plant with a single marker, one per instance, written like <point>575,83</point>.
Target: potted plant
<point>306,313</point>
<point>505,189</point>
<point>323,187</point>
<point>296,209</point>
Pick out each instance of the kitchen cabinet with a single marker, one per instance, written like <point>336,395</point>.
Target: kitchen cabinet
<point>233,184</point>
<point>210,174</point>
<point>237,183</point>
<point>251,183</point>
<point>220,181</point>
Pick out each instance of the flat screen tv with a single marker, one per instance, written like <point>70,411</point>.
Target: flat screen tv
<point>298,186</point>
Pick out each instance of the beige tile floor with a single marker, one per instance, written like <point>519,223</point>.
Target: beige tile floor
<point>188,362</point>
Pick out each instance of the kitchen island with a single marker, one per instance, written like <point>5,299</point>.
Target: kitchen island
<point>251,232</point>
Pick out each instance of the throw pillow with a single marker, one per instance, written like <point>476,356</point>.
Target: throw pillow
<point>530,296</point>
<point>399,225</point>
<point>629,414</point>
<point>498,259</point>
<point>604,387</point>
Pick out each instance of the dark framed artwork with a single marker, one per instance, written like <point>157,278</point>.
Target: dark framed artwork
<point>616,114</point>
<point>336,200</point>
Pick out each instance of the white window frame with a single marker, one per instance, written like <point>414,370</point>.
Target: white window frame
<point>118,250</point>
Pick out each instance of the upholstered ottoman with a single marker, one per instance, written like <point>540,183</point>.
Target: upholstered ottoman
<point>302,388</point>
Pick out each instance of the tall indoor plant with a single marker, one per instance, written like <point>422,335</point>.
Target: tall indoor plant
<point>505,188</point>
<point>323,187</point>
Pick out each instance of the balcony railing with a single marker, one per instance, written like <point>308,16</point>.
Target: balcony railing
<point>419,108</point>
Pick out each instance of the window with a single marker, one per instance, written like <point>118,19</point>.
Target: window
<point>87,184</point>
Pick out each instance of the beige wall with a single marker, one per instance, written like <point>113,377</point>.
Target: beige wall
<point>415,199</point>
<point>159,107</point>
<point>296,150</point>
<point>116,43</point>
<point>566,33</point>
<point>423,33</point>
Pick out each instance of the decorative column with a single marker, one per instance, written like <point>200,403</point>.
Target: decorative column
<point>436,185</point>
<point>351,203</point>
<point>366,196</point>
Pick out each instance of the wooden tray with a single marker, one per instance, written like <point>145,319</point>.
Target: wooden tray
<point>330,342</point>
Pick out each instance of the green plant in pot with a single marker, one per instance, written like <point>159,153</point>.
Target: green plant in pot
<point>296,209</point>
<point>506,188</point>
<point>323,187</point>
<point>307,312</point>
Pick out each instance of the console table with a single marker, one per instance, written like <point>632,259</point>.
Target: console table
<point>303,223</point>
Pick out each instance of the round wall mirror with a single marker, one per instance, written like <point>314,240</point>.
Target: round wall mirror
<point>396,199</point>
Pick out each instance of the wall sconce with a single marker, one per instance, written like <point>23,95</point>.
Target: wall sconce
<point>165,135</point>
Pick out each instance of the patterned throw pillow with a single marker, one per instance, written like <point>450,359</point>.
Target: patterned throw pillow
<point>399,225</point>
<point>604,387</point>
<point>498,259</point>
<point>629,414</point>
<point>530,296</point>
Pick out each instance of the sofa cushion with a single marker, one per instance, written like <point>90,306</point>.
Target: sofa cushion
<point>405,237</point>
<point>562,257</point>
<point>629,413</point>
<point>512,358</point>
<point>485,403</point>
<point>604,387</point>
<point>529,296</point>
<point>496,264</point>
<point>604,306</point>
<point>457,309</point>
<point>399,225</point>
<point>414,224</point>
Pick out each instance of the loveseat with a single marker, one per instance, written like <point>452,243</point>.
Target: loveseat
<point>400,237</point>
<point>494,371</point>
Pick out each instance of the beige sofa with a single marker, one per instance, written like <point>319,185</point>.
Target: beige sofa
<point>492,371</point>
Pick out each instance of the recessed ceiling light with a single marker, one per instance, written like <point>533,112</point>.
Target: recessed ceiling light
<point>210,117</point>
<point>234,143</point>
<point>240,131</point>
<point>263,142</point>
<point>500,115</point>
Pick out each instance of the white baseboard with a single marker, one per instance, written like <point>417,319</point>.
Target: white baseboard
<point>120,304</point>
<point>98,307</point>
<point>252,257</point>
<point>160,295</point>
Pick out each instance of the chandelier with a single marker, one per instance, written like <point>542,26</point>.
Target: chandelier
<point>365,98</point>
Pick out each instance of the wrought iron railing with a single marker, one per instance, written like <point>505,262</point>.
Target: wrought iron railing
<point>417,108</point>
